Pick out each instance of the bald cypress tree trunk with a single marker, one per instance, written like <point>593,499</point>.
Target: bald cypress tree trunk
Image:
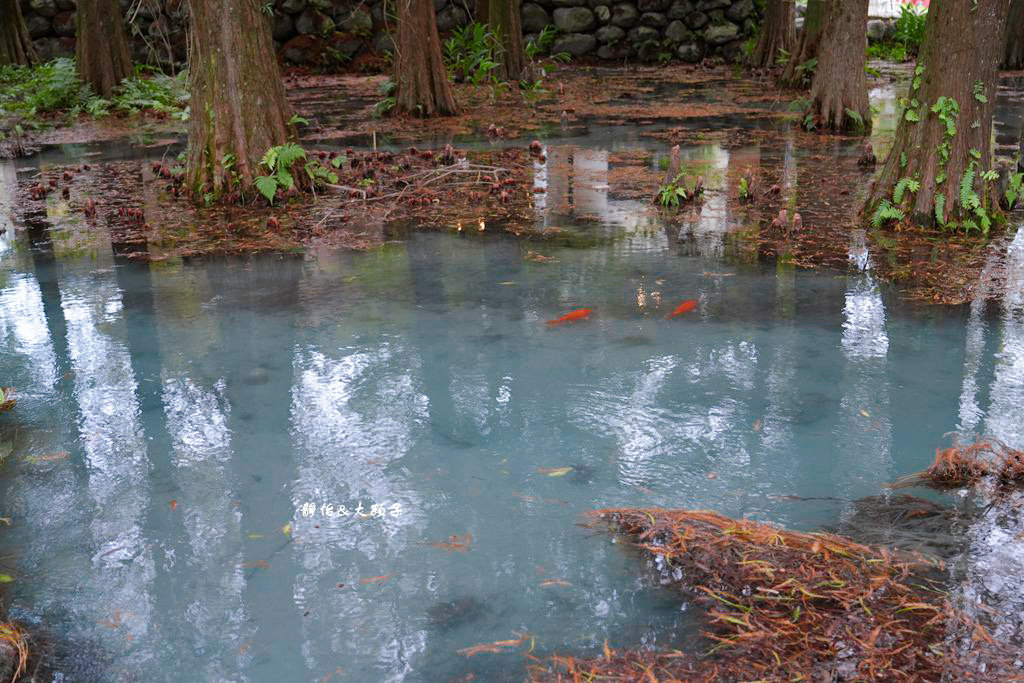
<point>777,33</point>
<point>420,76</point>
<point>505,21</point>
<point>1013,58</point>
<point>238,105</point>
<point>101,45</point>
<point>807,47</point>
<point>839,93</point>
<point>943,142</point>
<point>15,43</point>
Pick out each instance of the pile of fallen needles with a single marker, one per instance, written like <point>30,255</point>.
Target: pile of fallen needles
<point>13,649</point>
<point>965,465</point>
<point>785,605</point>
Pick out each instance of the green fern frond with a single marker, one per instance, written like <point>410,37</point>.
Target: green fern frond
<point>902,186</point>
<point>288,154</point>
<point>267,186</point>
<point>940,209</point>
<point>885,213</point>
<point>270,158</point>
<point>967,187</point>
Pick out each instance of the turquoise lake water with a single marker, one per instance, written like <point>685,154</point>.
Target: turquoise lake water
<point>181,428</point>
<point>202,407</point>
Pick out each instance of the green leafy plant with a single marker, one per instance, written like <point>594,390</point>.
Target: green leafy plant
<point>904,185</point>
<point>908,30</point>
<point>947,109</point>
<point>318,174</point>
<point>885,213</point>
<point>387,89</point>
<point>279,162</point>
<point>156,92</point>
<point>542,43</point>
<point>800,104</point>
<point>890,52</point>
<point>805,71</point>
<point>749,45</point>
<point>745,190</point>
<point>858,120</point>
<point>1014,188</point>
<point>53,86</point>
<point>940,209</point>
<point>672,194</point>
<point>470,55</point>
<point>979,92</point>
<point>972,206</point>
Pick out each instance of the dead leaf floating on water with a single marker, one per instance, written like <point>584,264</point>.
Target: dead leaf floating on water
<point>49,457</point>
<point>540,258</point>
<point>494,648</point>
<point>454,543</point>
<point>554,471</point>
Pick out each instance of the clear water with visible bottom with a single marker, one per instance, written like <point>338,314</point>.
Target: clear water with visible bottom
<point>175,424</point>
<point>181,429</point>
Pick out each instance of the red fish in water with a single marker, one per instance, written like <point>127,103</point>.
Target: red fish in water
<point>572,316</point>
<point>685,307</point>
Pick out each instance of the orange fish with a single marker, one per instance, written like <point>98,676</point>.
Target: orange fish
<point>685,307</point>
<point>572,316</point>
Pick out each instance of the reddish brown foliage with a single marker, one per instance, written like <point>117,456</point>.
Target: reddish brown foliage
<point>785,605</point>
<point>961,465</point>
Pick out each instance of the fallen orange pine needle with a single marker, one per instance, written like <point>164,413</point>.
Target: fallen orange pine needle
<point>494,648</point>
<point>376,579</point>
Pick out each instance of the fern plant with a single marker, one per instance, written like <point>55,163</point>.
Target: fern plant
<point>278,161</point>
<point>885,213</point>
<point>940,209</point>
<point>902,186</point>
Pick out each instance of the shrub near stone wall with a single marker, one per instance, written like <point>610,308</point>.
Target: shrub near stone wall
<point>334,32</point>
<point>646,29</point>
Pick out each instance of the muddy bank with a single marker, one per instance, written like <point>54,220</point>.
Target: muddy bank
<point>605,135</point>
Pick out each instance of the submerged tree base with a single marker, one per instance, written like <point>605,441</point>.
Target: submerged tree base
<point>785,605</point>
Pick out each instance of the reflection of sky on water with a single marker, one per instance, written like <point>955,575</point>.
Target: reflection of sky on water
<point>201,406</point>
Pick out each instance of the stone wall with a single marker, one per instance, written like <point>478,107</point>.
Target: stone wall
<point>645,29</point>
<point>334,32</point>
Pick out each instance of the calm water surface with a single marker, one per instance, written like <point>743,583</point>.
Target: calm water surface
<point>180,430</point>
<point>203,407</point>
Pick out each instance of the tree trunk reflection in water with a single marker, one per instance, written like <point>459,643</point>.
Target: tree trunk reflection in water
<point>255,293</point>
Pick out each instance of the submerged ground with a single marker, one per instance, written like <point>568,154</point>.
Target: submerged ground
<point>182,423</point>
